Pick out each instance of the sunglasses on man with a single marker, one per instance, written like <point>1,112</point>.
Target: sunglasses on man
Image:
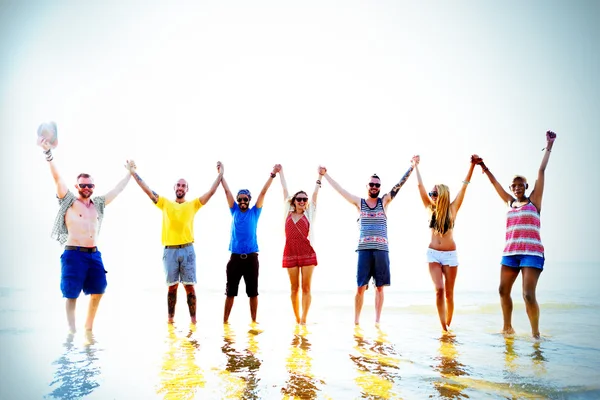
<point>373,184</point>
<point>86,185</point>
<point>243,200</point>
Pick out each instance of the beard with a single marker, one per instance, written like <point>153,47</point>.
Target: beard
<point>179,194</point>
<point>85,195</point>
<point>374,195</point>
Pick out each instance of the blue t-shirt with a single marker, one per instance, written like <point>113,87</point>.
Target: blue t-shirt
<point>243,230</point>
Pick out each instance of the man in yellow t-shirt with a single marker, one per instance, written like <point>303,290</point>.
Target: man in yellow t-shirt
<point>179,258</point>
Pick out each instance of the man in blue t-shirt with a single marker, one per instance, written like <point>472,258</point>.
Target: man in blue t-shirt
<point>243,245</point>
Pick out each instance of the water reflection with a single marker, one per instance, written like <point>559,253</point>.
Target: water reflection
<point>377,363</point>
<point>240,375</point>
<point>449,368</point>
<point>301,384</point>
<point>180,376</point>
<point>538,359</point>
<point>510,356</point>
<point>77,369</point>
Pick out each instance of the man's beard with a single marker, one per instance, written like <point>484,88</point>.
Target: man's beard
<point>180,195</point>
<point>374,195</point>
<point>85,195</point>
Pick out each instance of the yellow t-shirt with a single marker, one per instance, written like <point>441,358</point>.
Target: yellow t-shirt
<point>178,220</point>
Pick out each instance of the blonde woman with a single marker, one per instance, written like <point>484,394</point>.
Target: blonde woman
<point>299,257</point>
<point>441,254</point>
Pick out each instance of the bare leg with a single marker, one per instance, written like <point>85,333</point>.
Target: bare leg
<point>508,276</point>
<point>228,305</point>
<point>530,280</point>
<point>92,308</point>
<point>253,307</point>
<point>171,302</point>
<point>191,301</point>
<point>358,303</point>
<point>307,273</point>
<point>70,309</point>
<point>435,270</point>
<point>378,303</point>
<point>294,274</point>
<point>449,280</point>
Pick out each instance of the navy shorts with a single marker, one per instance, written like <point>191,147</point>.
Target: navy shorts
<point>246,266</point>
<point>523,260</point>
<point>373,264</point>
<point>82,271</point>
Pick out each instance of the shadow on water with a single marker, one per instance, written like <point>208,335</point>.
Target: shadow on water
<point>78,369</point>
<point>449,367</point>
<point>300,383</point>
<point>377,364</point>
<point>180,376</point>
<point>242,367</point>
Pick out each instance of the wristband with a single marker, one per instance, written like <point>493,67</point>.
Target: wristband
<point>273,175</point>
<point>48,154</point>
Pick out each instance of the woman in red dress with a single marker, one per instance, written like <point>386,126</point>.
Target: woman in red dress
<point>299,257</point>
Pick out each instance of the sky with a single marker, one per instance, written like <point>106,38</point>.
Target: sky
<point>359,87</point>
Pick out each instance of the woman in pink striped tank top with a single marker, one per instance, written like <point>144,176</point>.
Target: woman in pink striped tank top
<point>523,251</point>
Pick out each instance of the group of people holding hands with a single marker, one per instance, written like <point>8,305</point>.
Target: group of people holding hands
<point>80,216</point>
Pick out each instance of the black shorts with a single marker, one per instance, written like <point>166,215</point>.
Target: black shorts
<point>242,265</point>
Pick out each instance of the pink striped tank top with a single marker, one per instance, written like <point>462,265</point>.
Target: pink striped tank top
<point>523,232</point>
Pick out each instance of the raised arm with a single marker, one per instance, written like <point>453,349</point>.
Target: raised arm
<point>422,191</point>
<point>504,195</point>
<point>261,196</point>
<point>61,187</point>
<point>538,188</point>
<point>110,196</point>
<point>206,196</point>
<point>228,195</point>
<point>283,185</point>
<point>460,196</point>
<point>321,171</point>
<point>390,196</point>
<point>133,171</point>
<point>349,197</point>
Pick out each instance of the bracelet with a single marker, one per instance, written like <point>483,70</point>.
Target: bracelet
<point>486,169</point>
<point>273,175</point>
<point>466,182</point>
<point>319,182</point>
<point>48,154</point>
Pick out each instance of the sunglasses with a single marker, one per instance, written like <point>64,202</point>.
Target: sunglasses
<point>372,184</point>
<point>300,199</point>
<point>86,185</point>
<point>433,194</point>
<point>243,199</point>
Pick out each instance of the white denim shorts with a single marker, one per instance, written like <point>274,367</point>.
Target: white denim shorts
<point>449,258</point>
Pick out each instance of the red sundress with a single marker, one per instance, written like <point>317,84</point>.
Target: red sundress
<point>298,251</point>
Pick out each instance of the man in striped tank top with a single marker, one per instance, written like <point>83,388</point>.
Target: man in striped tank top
<point>373,258</point>
<point>523,251</point>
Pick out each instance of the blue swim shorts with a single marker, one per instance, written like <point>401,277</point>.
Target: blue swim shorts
<point>375,264</point>
<point>523,260</point>
<point>180,265</point>
<point>82,271</point>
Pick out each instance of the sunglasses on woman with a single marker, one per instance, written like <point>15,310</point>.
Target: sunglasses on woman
<point>301,199</point>
<point>433,194</point>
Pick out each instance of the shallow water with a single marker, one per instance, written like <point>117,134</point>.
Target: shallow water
<point>134,354</point>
